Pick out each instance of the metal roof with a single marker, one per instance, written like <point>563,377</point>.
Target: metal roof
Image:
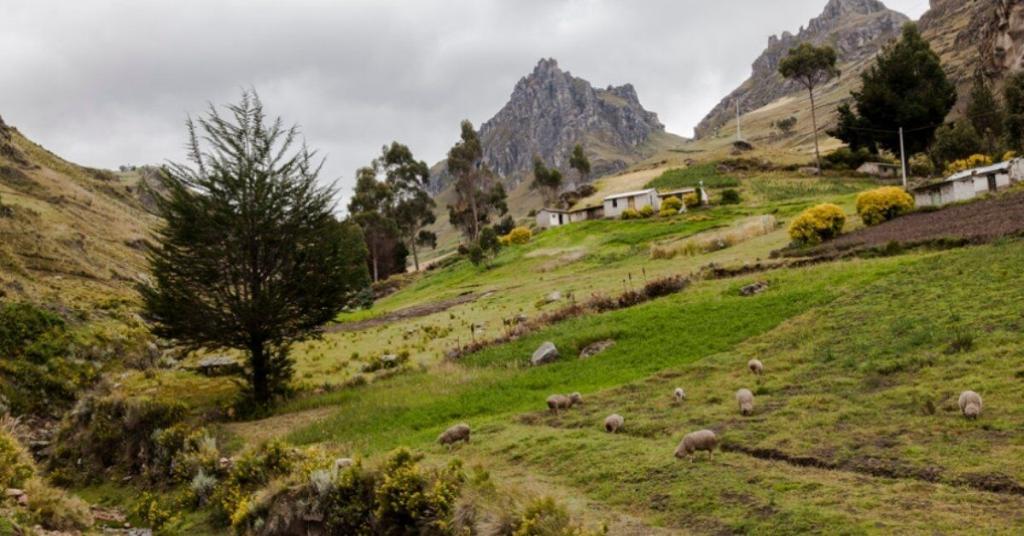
<point>967,174</point>
<point>632,194</point>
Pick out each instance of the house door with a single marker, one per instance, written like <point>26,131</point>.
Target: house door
<point>632,203</point>
<point>991,183</point>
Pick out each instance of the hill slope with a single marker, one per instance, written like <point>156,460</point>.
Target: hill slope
<point>67,231</point>
<point>857,29</point>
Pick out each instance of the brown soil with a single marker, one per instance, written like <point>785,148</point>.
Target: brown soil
<point>977,222</point>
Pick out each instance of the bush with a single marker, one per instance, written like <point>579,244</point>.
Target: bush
<point>1009,155</point>
<point>54,509</point>
<point>955,142</point>
<point>665,286</point>
<point>520,235</point>
<point>647,212</point>
<point>253,470</point>
<point>731,197</point>
<point>973,161</point>
<point>671,206</point>
<point>16,466</point>
<point>921,165</point>
<point>545,517</point>
<point>691,201</point>
<point>844,159</point>
<point>883,204</point>
<point>630,214</point>
<point>817,224</point>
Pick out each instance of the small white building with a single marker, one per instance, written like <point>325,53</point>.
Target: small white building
<point>552,217</point>
<point>592,212</point>
<point>969,184</point>
<point>879,169</point>
<point>614,205</point>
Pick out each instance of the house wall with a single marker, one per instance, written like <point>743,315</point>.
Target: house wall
<point>547,219</point>
<point>613,208</point>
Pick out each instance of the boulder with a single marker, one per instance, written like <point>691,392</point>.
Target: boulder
<point>554,296</point>
<point>546,353</point>
<point>754,288</point>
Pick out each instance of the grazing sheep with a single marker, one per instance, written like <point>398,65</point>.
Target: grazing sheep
<point>576,398</point>
<point>695,441</point>
<point>746,401</point>
<point>679,394</point>
<point>970,404</point>
<point>557,402</point>
<point>459,432</point>
<point>613,423</point>
<point>756,366</point>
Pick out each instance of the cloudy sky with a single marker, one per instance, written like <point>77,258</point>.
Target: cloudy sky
<point>110,82</point>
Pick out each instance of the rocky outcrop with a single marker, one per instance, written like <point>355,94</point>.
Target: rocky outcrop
<point>857,29</point>
<point>550,111</point>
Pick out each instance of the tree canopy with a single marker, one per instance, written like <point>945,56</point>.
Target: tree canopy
<point>579,162</point>
<point>250,255</point>
<point>547,180</point>
<point>906,87</point>
<point>478,193</point>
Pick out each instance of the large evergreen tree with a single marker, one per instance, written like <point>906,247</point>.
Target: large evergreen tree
<point>547,180</point>
<point>580,163</point>
<point>906,87</point>
<point>1013,97</point>
<point>810,66</point>
<point>985,114</point>
<point>413,208</point>
<point>478,193</point>
<point>250,254</point>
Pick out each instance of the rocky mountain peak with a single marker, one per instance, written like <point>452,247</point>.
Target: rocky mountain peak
<point>857,29</point>
<point>550,111</point>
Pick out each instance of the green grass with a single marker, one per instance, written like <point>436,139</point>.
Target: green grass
<point>496,382</point>
<point>691,177</point>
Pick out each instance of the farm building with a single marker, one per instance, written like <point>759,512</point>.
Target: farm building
<point>594,212</point>
<point>552,217</point>
<point>969,183</point>
<point>614,205</point>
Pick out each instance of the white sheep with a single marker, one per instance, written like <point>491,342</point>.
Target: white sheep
<point>756,366</point>
<point>459,432</point>
<point>576,398</point>
<point>679,394</point>
<point>695,441</point>
<point>746,401</point>
<point>613,423</point>
<point>970,404</point>
<point>560,402</point>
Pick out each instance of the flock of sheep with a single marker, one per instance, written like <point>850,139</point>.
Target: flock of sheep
<point>701,440</point>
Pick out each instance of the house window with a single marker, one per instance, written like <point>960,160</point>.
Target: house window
<point>615,203</point>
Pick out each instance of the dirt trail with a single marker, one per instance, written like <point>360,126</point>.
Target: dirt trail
<point>414,311</point>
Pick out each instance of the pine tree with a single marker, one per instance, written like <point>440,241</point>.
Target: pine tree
<point>547,180</point>
<point>985,113</point>
<point>906,87</point>
<point>478,193</point>
<point>810,66</point>
<point>1013,97</point>
<point>580,163</point>
<point>250,254</point>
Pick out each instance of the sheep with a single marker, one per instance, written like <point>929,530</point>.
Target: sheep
<point>613,423</point>
<point>679,394</point>
<point>746,401</point>
<point>575,398</point>
<point>970,404</point>
<point>756,366</point>
<point>459,432</point>
<point>695,441</point>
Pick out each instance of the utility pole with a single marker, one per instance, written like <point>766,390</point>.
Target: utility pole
<point>903,159</point>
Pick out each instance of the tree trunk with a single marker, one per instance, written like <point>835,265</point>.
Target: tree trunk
<point>260,382</point>
<point>814,125</point>
<point>415,254</point>
<point>376,269</point>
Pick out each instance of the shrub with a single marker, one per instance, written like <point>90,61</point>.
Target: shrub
<point>545,517</point>
<point>883,204</point>
<point>251,471</point>
<point>672,203</point>
<point>520,235</point>
<point>16,465</point>
<point>54,509</point>
<point>665,286</point>
<point>647,212</point>
<point>844,158</point>
<point>630,214</point>
<point>921,165</point>
<point>691,200</point>
<point>731,197</point>
<point>817,224</point>
<point>1009,155</point>
<point>955,142</point>
<point>407,496</point>
<point>973,161</point>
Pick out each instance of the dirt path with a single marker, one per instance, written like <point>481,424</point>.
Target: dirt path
<point>415,311</point>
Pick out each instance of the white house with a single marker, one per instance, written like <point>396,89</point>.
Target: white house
<point>551,217</point>
<point>879,169</point>
<point>614,205</point>
<point>969,183</point>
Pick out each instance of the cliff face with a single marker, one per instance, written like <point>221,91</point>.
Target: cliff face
<point>549,112</point>
<point>857,29</point>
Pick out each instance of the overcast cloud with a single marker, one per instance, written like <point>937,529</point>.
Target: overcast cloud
<point>105,82</point>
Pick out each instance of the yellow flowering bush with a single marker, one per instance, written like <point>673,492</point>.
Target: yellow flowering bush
<point>883,204</point>
<point>973,161</point>
<point>630,214</point>
<point>520,236</point>
<point>817,224</point>
<point>691,200</point>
